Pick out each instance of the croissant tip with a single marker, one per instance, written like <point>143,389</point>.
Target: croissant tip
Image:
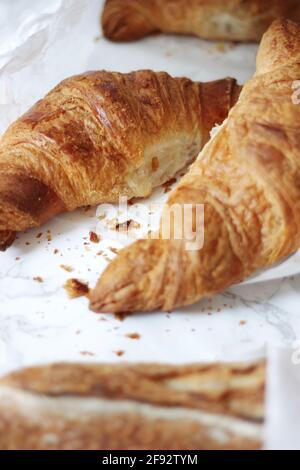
<point>6,239</point>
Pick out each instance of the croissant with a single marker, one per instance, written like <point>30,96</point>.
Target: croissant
<point>117,407</point>
<point>246,178</point>
<point>234,20</point>
<point>102,135</point>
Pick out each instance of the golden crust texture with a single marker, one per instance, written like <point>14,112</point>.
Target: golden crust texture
<point>234,20</point>
<point>246,178</point>
<point>77,406</point>
<point>94,137</point>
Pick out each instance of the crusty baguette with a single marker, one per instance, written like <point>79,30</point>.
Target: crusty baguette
<point>247,179</point>
<point>76,406</point>
<point>233,20</point>
<point>102,135</point>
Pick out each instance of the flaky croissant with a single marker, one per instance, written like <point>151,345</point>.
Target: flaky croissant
<point>102,135</point>
<point>78,406</point>
<point>234,20</point>
<point>247,178</point>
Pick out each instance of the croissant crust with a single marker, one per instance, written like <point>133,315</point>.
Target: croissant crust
<point>234,20</point>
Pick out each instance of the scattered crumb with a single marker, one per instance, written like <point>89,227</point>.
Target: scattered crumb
<point>27,243</point>
<point>120,316</point>
<point>76,288</point>
<point>100,253</point>
<point>38,279</point>
<point>17,258</point>
<point>133,336</point>
<point>114,250</point>
<point>87,353</point>
<point>97,38</point>
<point>78,332</point>
<point>243,322</point>
<point>94,237</point>
<point>49,236</point>
<point>56,251</point>
<point>129,224</point>
<point>69,269</point>
<point>39,235</point>
<point>102,319</point>
<point>119,353</point>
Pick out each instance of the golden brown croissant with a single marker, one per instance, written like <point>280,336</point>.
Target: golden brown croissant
<point>77,406</point>
<point>102,135</point>
<point>234,20</point>
<point>247,178</point>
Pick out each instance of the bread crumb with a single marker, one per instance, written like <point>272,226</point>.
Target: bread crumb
<point>128,225</point>
<point>38,279</point>
<point>49,236</point>
<point>76,288</point>
<point>243,322</point>
<point>69,269</point>
<point>133,336</point>
<point>94,237</point>
<point>39,235</point>
<point>119,353</point>
<point>114,250</point>
<point>56,251</point>
<point>120,316</point>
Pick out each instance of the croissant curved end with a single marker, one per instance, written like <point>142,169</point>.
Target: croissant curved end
<point>120,23</point>
<point>6,239</point>
<point>125,283</point>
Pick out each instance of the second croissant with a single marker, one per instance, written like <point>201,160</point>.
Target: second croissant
<point>99,136</point>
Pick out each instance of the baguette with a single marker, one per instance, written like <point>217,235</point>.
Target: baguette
<point>116,407</point>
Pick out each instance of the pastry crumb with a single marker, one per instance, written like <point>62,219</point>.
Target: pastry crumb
<point>119,353</point>
<point>76,288</point>
<point>87,353</point>
<point>120,316</point>
<point>128,225</point>
<point>133,336</point>
<point>243,322</point>
<point>38,279</point>
<point>39,235</point>
<point>94,237</point>
<point>114,250</point>
<point>67,268</point>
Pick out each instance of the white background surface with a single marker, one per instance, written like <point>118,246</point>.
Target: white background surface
<point>38,322</point>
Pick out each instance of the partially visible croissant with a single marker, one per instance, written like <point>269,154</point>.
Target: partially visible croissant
<point>137,406</point>
<point>247,178</point>
<point>234,20</point>
<point>102,135</point>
